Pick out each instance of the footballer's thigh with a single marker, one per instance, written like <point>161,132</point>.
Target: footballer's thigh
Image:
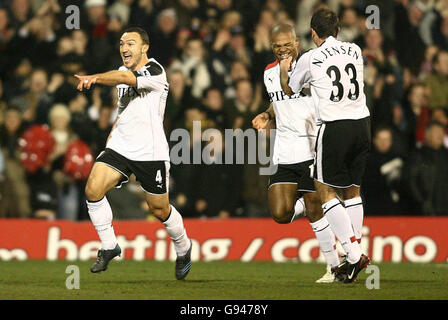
<point>102,178</point>
<point>282,197</point>
<point>351,192</point>
<point>325,192</point>
<point>154,179</point>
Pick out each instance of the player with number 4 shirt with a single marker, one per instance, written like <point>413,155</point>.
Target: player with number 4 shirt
<point>136,145</point>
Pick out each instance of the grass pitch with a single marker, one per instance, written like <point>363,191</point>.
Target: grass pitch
<point>226,280</point>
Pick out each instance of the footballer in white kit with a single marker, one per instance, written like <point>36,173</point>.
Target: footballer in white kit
<point>293,154</point>
<point>136,145</point>
<point>334,71</point>
<point>295,134</point>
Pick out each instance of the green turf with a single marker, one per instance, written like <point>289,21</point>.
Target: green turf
<point>216,280</point>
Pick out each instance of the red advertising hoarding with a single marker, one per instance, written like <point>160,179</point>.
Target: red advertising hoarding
<point>396,239</point>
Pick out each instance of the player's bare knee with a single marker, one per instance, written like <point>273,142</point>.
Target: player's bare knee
<point>282,215</point>
<point>93,193</point>
<point>160,211</point>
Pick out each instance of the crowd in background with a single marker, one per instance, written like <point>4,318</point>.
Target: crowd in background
<point>215,52</point>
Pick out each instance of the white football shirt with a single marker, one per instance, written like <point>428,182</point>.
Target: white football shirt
<point>138,134</point>
<point>335,71</point>
<point>295,120</point>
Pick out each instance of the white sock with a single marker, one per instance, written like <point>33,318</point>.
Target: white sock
<point>175,227</point>
<point>101,215</point>
<point>356,212</point>
<point>327,241</point>
<point>341,225</point>
<point>299,209</point>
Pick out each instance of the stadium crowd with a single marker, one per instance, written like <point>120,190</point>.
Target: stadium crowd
<point>214,52</point>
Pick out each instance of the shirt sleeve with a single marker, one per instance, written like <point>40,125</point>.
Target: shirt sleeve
<point>301,73</point>
<point>152,78</point>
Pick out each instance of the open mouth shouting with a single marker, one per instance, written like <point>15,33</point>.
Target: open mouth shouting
<point>126,57</point>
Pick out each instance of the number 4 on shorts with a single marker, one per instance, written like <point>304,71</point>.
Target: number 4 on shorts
<point>159,176</point>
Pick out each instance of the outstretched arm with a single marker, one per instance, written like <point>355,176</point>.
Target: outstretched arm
<point>110,78</point>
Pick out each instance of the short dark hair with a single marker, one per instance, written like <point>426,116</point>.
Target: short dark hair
<point>435,123</point>
<point>143,34</point>
<point>282,28</point>
<point>325,23</point>
<point>382,127</point>
<point>206,91</point>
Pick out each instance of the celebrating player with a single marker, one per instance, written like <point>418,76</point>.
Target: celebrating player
<point>293,150</point>
<point>334,71</point>
<point>136,144</point>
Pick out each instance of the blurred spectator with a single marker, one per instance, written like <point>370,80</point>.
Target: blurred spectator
<point>38,97</point>
<point>21,12</point>
<point>121,10</point>
<point>193,65</point>
<point>441,115</point>
<point>439,34</point>
<point>437,82</point>
<point>38,37</point>
<point>163,37</point>
<point>349,25</point>
<point>6,35</point>
<point>218,188</point>
<point>409,119</point>
<point>383,177</point>
<point>101,131</point>
<point>382,77</point>
<point>417,113</point>
<point>408,15</point>
<point>213,104</point>
<point>428,173</point>
<point>143,14</point>
<point>245,105</point>
<point>15,201</point>
<point>179,99</point>
<point>97,30</point>
<point>238,71</point>
<point>427,65</point>
<point>187,11</point>
<point>67,191</point>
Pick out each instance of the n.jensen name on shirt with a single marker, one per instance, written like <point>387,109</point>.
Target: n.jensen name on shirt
<point>330,52</point>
